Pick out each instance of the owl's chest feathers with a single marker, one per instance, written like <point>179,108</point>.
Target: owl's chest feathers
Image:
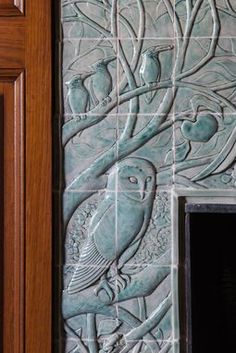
<point>130,221</point>
<point>129,211</point>
<point>121,230</point>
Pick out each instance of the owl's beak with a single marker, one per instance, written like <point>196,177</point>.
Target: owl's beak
<point>142,193</point>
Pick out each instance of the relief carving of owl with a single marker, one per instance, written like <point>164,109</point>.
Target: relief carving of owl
<point>117,227</point>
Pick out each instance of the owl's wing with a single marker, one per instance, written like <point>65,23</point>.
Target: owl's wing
<point>106,206</point>
<point>91,267</point>
<point>105,231</point>
<point>92,264</point>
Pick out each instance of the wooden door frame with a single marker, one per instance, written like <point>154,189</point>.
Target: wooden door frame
<point>25,63</point>
<point>38,187</point>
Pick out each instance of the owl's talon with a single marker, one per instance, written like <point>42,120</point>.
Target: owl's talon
<point>121,284</point>
<point>122,281</point>
<point>127,278</point>
<point>104,285</point>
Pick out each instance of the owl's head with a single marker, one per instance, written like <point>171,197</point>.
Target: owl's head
<point>134,177</point>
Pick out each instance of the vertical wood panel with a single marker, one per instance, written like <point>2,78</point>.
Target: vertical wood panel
<point>38,177</point>
<point>12,228</point>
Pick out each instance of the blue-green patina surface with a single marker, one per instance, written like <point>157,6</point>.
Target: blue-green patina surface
<point>148,106</point>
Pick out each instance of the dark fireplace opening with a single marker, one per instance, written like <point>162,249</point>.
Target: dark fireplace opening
<point>211,283</point>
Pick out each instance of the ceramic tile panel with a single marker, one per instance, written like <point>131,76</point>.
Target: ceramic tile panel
<point>144,19</point>
<point>147,108</point>
<point>90,20</point>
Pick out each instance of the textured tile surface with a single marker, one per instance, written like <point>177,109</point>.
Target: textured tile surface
<point>148,107</point>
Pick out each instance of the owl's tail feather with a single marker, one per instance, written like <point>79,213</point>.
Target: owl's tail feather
<point>85,276</point>
<point>149,96</point>
<point>91,266</point>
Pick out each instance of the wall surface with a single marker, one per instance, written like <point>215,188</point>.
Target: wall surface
<point>148,109</point>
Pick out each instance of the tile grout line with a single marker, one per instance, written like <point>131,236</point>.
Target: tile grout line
<point>143,38</point>
<point>117,153</point>
<point>174,303</point>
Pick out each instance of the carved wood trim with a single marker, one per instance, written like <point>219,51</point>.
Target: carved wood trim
<point>25,60</point>
<point>14,8</point>
<point>38,183</point>
<point>12,217</point>
<point>11,75</point>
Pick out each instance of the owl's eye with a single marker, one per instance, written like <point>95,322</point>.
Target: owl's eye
<point>148,179</point>
<point>133,180</point>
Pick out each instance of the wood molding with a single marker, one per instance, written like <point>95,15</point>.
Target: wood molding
<point>12,8</point>
<point>11,75</point>
<point>12,224</point>
<point>38,178</point>
<point>25,78</point>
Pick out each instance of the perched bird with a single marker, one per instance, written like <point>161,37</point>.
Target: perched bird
<point>117,227</point>
<point>150,70</point>
<point>78,95</point>
<point>101,81</point>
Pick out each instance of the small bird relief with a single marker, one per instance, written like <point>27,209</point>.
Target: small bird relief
<point>149,102</point>
<point>150,69</point>
<point>81,98</point>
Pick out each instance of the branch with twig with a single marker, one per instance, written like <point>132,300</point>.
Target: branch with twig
<point>142,284</point>
<point>215,33</point>
<point>134,102</point>
<point>81,122</point>
<point>152,321</point>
